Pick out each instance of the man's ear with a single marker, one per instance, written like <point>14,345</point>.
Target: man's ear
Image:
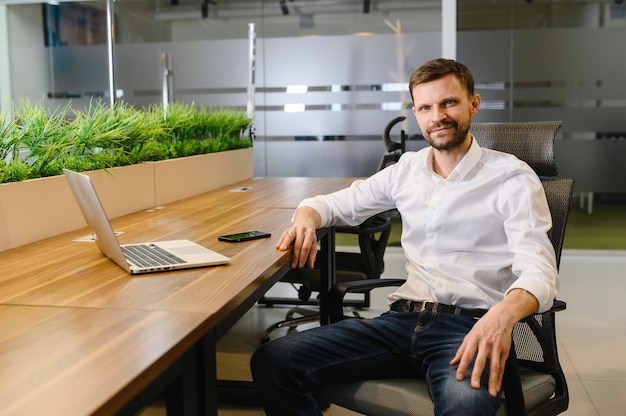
<point>475,104</point>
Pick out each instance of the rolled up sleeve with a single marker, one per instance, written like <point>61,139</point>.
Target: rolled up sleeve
<point>527,226</point>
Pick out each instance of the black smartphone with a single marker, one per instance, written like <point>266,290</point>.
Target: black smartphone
<point>248,235</point>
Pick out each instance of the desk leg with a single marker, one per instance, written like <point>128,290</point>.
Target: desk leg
<point>207,374</point>
<point>177,385</point>
<point>327,271</point>
<point>181,395</point>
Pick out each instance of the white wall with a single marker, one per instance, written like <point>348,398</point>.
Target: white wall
<point>5,73</point>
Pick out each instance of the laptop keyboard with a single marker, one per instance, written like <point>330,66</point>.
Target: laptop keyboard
<point>148,255</point>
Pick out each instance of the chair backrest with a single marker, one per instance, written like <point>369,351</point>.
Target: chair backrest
<point>534,339</point>
<point>533,142</point>
<point>559,196</point>
<point>373,235</point>
<point>394,148</point>
<point>509,137</point>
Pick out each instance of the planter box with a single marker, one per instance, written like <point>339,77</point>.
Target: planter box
<point>176,179</point>
<point>40,208</point>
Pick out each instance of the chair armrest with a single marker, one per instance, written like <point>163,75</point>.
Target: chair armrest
<point>542,328</point>
<point>373,225</point>
<point>557,306</point>
<point>339,291</point>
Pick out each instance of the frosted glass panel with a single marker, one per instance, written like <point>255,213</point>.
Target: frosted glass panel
<point>78,71</point>
<point>344,77</point>
<point>557,74</point>
<point>543,60</point>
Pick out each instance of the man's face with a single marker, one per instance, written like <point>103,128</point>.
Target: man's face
<point>443,111</point>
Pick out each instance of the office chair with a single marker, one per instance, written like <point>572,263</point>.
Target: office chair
<point>394,148</point>
<point>367,263</point>
<point>373,236</point>
<point>534,383</point>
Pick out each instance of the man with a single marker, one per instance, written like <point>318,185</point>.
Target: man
<point>474,230</point>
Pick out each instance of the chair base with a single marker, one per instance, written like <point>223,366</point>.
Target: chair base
<point>308,315</point>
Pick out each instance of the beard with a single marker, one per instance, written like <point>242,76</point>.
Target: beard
<point>459,135</point>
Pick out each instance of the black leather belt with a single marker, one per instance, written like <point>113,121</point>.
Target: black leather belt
<point>403,305</point>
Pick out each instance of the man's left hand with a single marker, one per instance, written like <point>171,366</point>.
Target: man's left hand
<point>490,340</point>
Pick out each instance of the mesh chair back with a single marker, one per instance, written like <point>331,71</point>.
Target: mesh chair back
<point>559,195</point>
<point>534,338</point>
<point>533,142</point>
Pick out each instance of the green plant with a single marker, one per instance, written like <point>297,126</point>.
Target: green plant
<point>9,138</point>
<point>185,121</point>
<point>45,137</point>
<point>36,143</point>
<point>180,120</point>
<point>14,171</point>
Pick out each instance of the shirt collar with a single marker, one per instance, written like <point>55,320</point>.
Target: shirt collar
<point>464,167</point>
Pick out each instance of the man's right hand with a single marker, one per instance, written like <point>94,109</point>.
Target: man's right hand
<point>302,234</point>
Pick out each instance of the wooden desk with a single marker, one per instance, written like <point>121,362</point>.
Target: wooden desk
<point>277,192</point>
<point>61,272</point>
<point>58,272</point>
<point>79,361</point>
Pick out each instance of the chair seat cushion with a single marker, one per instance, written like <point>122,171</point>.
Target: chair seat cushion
<point>410,397</point>
<point>394,397</point>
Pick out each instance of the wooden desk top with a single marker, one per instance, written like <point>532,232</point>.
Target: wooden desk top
<point>55,361</point>
<point>60,272</point>
<point>277,192</point>
<point>78,335</point>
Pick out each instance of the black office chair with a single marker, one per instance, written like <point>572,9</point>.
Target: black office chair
<point>373,236</point>
<point>395,148</point>
<point>366,263</point>
<point>534,383</point>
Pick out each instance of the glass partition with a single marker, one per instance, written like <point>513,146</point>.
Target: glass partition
<point>548,60</point>
<point>331,71</point>
<point>331,74</point>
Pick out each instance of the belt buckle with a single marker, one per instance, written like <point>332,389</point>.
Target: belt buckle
<point>432,308</point>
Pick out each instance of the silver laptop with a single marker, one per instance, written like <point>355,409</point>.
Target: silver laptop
<point>142,257</point>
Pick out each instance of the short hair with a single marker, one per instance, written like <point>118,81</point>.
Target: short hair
<point>439,68</point>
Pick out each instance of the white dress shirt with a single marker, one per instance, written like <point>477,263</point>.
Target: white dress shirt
<point>469,238</point>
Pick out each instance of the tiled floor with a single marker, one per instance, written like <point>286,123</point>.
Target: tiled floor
<point>591,333</point>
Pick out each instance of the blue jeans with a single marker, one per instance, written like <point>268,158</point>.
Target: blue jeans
<point>288,370</point>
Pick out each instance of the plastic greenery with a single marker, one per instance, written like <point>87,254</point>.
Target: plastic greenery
<point>35,143</point>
